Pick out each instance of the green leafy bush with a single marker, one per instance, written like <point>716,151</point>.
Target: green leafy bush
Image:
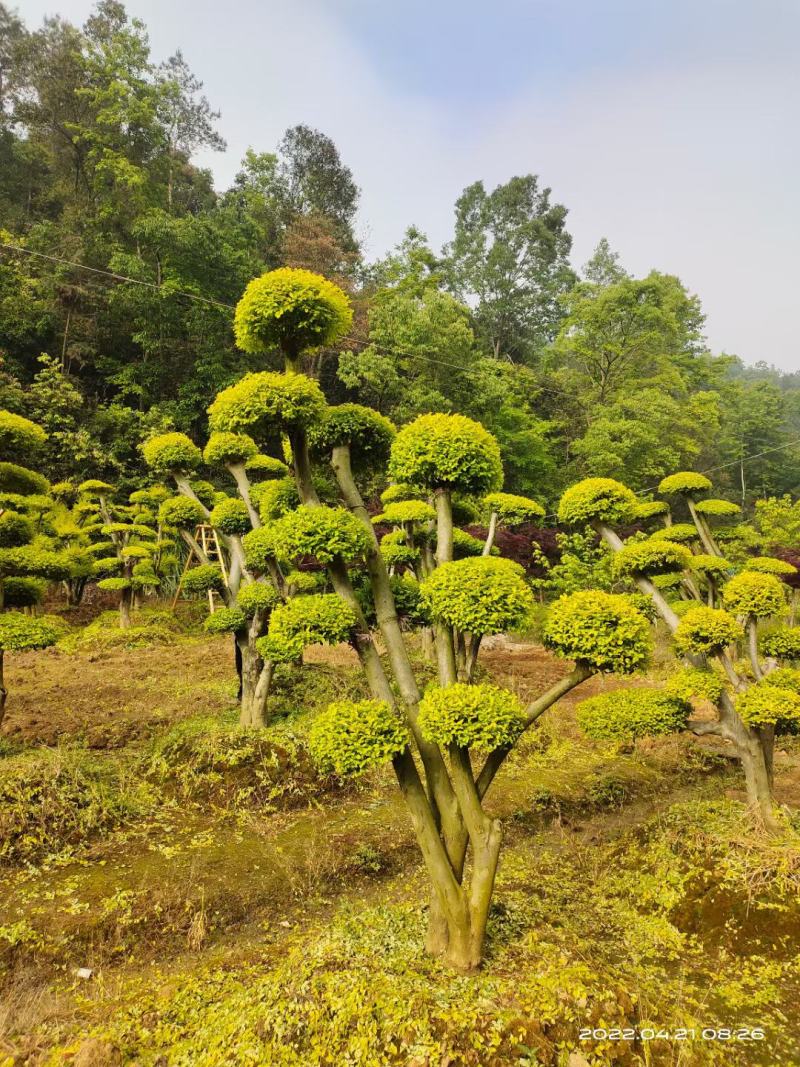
<point>181,512</point>
<point>627,714</point>
<point>695,682</point>
<point>172,452</point>
<point>20,633</point>
<point>231,517</point>
<point>512,510</point>
<point>706,630</point>
<point>19,436</point>
<point>471,716</point>
<point>368,433</point>
<point>783,643</point>
<point>322,533</point>
<point>321,618</point>
<point>754,594</point>
<point>769,565</point>
<point>597,500</point>
<point>603,630</point>
<point>650,509</point>
<point>265,468</point>
<point>679,532</point>
<point>684,483</point>
<point>265,402</point>
<point>479,595</point>
<point>764,704</point>
<point>712,566</point>
<point>225,620</point>
<point>718,508</point>
<point>350,738</point>
<point>202,578</point>
<point>15,529</point>
<point>291,308</point>
<point>402,511</point>
<point>16,479</point>
<point>448,452</point>
<point>651,557</point>
<point>224,448</point>
<point>257,596</point>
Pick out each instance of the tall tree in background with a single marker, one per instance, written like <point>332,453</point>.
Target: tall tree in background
<point>509,259</point>
<point>316,181</point>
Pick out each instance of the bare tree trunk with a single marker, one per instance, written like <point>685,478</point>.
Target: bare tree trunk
<point>3,690</point>
<point>125,609</point>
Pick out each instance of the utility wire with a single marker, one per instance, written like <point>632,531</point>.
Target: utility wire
<point>355,340</point>
<point>232,307</point>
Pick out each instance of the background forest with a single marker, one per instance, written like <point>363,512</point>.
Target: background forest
<point>576,372</point>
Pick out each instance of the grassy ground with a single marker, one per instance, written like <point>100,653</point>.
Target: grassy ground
<point>229,907</point>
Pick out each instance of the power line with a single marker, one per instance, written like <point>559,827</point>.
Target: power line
<point>118,277</point>
<point>232,307</point>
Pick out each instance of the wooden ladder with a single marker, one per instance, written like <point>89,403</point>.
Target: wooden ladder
<point>206,539</point>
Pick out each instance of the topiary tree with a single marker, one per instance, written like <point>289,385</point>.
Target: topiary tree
<point>29,556</point>
<point>446,744</point>
<point>255,581</point>
<point>129,545</point>
<point>705,628</point>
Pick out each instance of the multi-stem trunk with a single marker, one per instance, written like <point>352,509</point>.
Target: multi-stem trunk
<point>256,679</point>
<point>3,690</point>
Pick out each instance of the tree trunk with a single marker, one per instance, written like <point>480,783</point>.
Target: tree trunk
<point>125,609</point>
<point>757,780</point>
<point>3,690</point>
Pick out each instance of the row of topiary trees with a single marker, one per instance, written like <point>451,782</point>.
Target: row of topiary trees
<point>307,564</point>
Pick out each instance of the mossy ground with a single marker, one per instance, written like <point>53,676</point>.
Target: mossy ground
<point>233,908</point>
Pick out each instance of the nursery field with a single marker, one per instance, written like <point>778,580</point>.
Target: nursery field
<point>399,637</point>
<point>178,891</point>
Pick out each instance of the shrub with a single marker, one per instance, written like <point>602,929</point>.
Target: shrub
<point>23,592</point>
<point>19,633</point>
<point>14,479</point>
<point>291,309</point>
<point>464,544</point>
<point>402,511</point>
<point>679,532</point>
<point>397,553</point>
<point>202,578</point>
<point>225,620</point>
<point>368,433</point>
<point>408,600</point>
<point>649,509</point>
<point>684,483</point>
<point>602,630</point>
<point>706,630</point>
<point>783,643</point>
<point>479,595</point>
<point>224,448</point>
<point>754,594</point>
<point>321,618</point>
<point>597,500</point>
<point>401,491</point>
<point>764,704</point>
<point>15,529</point>
<point>257,596</point>
<point>512,510</point>
<point>181,512</point>
<point>651,557</point>
<point>231,517</point>
<point>627,714</point>
<point>350,738</point>
<point>267,402</point>
<point>320,532</point>
<point>695,682</point>
<point>19,436</point>
<point>769,565</point>
<point>713,566</point>
<point>785,677</point>
<point>718,508</point>
<point>172,452</point>
<point>266,467</point>
<point>447,452</point>
<point>470,716</point>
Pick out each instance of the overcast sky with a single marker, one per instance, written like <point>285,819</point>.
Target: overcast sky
<point>668,126</point>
